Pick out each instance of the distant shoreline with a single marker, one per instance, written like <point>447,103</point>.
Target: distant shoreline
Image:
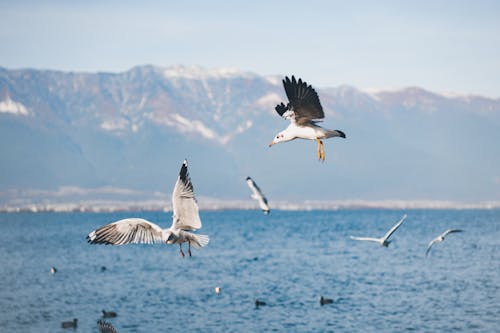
<point>221,205</point>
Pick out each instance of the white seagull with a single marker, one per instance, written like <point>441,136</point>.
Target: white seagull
<point>440,238</point>
<point>257,195</point>
<point>302,110</point>
<point>136,230</point>
<point>384,241</point>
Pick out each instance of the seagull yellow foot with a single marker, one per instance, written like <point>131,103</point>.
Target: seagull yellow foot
<point>319,148</point>
<point>322,151</point>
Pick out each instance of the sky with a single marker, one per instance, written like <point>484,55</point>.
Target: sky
<point>443,46</point>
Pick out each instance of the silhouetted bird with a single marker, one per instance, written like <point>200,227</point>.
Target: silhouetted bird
<point>324,301</point>
<point>108,314</point>
<point>70,324</point>
<point>259,303</point>
<point>53,270</point>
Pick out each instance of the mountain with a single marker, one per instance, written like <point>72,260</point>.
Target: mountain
<point>126,134</point>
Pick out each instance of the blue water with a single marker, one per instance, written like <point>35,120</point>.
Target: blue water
<point>287,259</point>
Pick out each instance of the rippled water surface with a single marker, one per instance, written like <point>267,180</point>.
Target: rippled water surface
<point>286,259</point>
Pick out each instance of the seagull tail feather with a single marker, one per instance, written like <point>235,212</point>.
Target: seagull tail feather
<point>200,241</point>
<point>334,133</point>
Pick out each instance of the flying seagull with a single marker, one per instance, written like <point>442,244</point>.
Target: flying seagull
<point>105,327</point>
<point>302,110</point>
<point>135,230</point>
<point>440,238</point>
<point>257,195</point>
<point>384,241</point>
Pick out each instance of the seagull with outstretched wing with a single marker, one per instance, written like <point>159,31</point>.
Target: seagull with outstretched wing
<point>136,230</point>
<point>383,241</point>
<point>258,195</point>
<point>440,238</point>
<point>303,110</point>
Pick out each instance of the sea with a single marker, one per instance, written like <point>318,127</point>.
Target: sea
<point>287,259</point>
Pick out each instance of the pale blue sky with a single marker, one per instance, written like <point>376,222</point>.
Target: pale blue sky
<point>445,46</point>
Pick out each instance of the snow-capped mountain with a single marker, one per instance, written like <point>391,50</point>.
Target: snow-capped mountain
<point>132,130</point>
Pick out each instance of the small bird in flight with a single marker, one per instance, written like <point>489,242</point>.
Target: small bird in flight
<point>440,238</point>
<point>134,230</point>
<point>258,195</point>
<point>302,110</point>
<point>384,241</point>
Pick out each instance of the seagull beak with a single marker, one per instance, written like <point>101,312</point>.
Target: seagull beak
<point>271,144</point>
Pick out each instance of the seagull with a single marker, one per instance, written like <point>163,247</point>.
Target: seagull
<point>108,314</point>
<point>257,195</point>
<point>105,327</point>
<point>70,324</point>
<point>136,230</point>
<point>384,241</point>
<point>302,110</point>
<point>53,270</point>
<point>440,238</point>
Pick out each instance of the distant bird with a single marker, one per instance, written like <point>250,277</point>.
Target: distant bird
<point>70,324</point>
<point>105,327</point>
<point>103,268</point>
<point>136,230</point>
<point>259,303</point>
<point>108,314</point>
<point>324,301</point>
<point>302,110</point>
<point>217,290</point>
<point>384,241</point>
<point>258,195</point>
<point>440,238</point>
<point>53,270</point>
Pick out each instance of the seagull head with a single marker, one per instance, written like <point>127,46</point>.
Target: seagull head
<point>281,137</point>
<point>170,237</point>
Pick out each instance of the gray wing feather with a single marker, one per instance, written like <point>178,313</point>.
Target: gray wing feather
<point>395,227</point>
<point>304,100</point>
<point>186,215</point>
<point>449,231</point>
<point>127,231</point>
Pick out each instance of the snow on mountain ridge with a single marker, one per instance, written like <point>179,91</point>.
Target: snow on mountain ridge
<point>198,72</point>
<point>10,106</point>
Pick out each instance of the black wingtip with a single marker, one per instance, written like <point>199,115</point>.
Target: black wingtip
<point>342,134</point>
<point>184,170</point>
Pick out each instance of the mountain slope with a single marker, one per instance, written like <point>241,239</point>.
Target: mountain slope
<point>133,129</point>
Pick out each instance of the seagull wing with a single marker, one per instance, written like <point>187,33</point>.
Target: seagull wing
<point>432,242</point>
<point>186,215</point>
<point>370,239</point>
<point>449,231</point>
<point>105,327</point>
<point>127,231</point>
<point>303,101</point>
<point>394,228</point>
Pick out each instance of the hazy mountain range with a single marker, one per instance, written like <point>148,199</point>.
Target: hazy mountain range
<point>113,136</point>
